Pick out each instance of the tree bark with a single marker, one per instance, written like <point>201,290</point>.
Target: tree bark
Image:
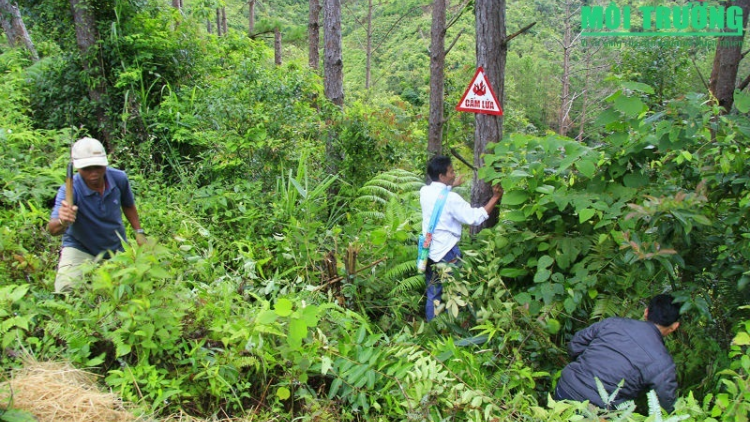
<point>727,61</point>
<point>15,30</point>
<point>86,37</point>
<point>177,4</point>
<point>277,46</point>
<point>333,63</point>
<point>566,99</point>
<point>250,17</point>
<point>368,46</point>
<point>491,53</point>
<point>437,78</point>
<point>313,33</point>
<point>224,20</point>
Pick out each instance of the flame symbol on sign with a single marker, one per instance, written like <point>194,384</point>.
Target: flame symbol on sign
<point>480,89</point>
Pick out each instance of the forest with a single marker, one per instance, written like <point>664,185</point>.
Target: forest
<point>276,149</point>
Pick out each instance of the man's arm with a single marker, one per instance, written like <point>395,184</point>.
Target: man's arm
<point>63,215</point>
<point>131,213</point>
<point>497,195</point>
<point>665,386</point>
<point>582,339</point>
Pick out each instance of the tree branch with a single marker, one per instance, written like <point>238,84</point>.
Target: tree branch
<point>453,43</point>
<point>517,33</point>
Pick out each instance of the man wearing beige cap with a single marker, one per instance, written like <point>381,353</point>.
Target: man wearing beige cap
<point>92,226</point>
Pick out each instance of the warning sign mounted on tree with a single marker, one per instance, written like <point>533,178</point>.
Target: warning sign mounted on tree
<point>479,97</point>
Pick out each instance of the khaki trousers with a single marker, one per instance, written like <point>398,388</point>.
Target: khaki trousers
<point>69,273</point>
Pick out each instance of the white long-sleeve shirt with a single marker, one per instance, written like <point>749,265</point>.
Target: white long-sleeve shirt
<point>456,212</point>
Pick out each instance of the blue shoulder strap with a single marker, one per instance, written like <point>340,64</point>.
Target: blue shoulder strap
<point>438,209</point>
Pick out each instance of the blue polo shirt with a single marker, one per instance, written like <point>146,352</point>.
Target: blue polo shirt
<point>98,227</point>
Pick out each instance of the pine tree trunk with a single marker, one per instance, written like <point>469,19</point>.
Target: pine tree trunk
<point>332,58</point>
<point>437,78</point>
<point>368,46</point>
<point>250,17</point>
<point>313,32</point>
<point>277,46</point>
<point>491,55</point>
<point>727,62</point>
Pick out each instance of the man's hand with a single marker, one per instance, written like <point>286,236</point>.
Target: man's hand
<point>67,214</point>
<point>140,239</point>
<point>497,190</point>
<point>458,181</point>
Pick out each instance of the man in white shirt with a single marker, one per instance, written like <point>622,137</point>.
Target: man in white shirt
<point>456,212</point>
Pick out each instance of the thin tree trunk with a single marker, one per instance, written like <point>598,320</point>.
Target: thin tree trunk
<point>224,20</point>
<point>726,63</point>
<point>566,99</point>
<point>491,55</point>
<point>218,22</point>
<point>368,46</point>
<point>177,4</point>
<point>250,17</point>
<point>333,62</point>
<point>86,37</point>
<point>15,29</point>
<point>333,81</point>
<point>277,46</point>
<point>313,33</point>
<point>437,78</point>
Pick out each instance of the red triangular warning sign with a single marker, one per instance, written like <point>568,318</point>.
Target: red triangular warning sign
<point>479,97</point>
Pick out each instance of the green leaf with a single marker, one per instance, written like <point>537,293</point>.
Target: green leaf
<point>587,168</point>
<point>638,86</point>
<point>378,237</point>
<point>545,261</point>
<point>325,365</point>
<point>283,307</point>
<point>542,276</point>
<point>335,385</point>
<point>515,197</point>
<point>585,214</point>
<point>741,101</point>
<point>17,415</point>
<point>629,106</point>
<point>297,332</point>
<point>283,393</point>
<point>742,339</point>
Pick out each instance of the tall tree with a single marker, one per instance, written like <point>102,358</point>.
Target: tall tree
<point>333,78</point>
<point>277,46</point>
<point>250,17</point>
<point>727,62</point>
<point>313,34</point>
<point>375,35</point>
<point>567,43</point>
<point>333,63</point>
<point>491,53</point>
<point>437,78</point>
<point>86,38</point>
<point>15,30</point>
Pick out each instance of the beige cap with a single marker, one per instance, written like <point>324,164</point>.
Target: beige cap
<point>88,152</point>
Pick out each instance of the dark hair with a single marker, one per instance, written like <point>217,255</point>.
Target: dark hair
<point>663,310</point>
<point>438,165</point>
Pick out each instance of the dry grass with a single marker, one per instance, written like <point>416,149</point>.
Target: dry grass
<point>57,392</point>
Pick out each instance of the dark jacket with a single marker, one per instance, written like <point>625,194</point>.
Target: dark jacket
<point>617,349</point>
